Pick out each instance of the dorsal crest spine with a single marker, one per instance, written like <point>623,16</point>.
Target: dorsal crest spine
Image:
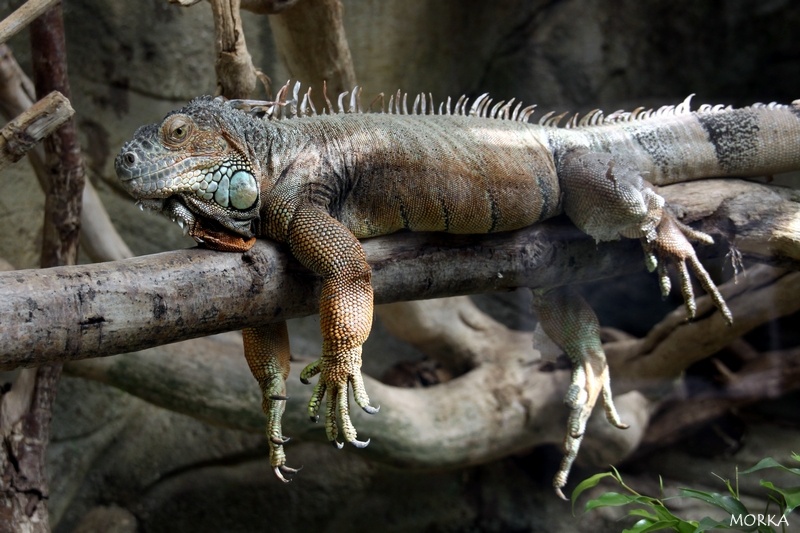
<point>284,107</point>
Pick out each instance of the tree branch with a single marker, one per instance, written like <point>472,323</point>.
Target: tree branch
<point>23,482</point>
<point>500,406</point>
<point>236,74</point>
<point>39,121</point>
<point>98,239</point>
<point>313,45</point>
<point>95,310</point>
<point>24,15</point>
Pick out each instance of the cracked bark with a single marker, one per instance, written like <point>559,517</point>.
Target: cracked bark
<point>26,416</point>
<point>93,310</point>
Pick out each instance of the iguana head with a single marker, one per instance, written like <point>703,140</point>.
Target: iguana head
<point>194,168</point>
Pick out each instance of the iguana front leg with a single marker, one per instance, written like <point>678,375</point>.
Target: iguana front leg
<point>266,349</point>
<point>325,246</point>
<point>570,322</point>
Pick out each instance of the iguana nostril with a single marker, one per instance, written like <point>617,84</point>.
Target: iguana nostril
<point>129,158</point>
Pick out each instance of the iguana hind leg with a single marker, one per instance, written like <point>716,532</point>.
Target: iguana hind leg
<point>266,349</point>
<point>570,322</point>
<point>607,198</point>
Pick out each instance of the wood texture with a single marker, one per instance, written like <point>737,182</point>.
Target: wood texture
<point>36,123</point>
<point>85,311</point>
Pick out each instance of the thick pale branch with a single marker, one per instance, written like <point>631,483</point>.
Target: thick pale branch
<point>502,405</point>
<point>29,128</point>
<point>88,311</point>
<point>763,294</point>
<point>453,331</point>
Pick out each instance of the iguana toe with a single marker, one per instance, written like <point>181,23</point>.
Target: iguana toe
<point>672,244</point>
<point>337,374</point>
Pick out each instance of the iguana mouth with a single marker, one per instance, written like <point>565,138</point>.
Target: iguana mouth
<point>206,232</point>
<point>172,208</point>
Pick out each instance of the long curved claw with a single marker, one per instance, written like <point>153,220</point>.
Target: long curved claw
<point>285,473</point>
<point>590,381</point>
<point>360,394</point>
<point>570,322</point>
<point>337,373</point>
<point>360,443</point>
<point>672,244</point>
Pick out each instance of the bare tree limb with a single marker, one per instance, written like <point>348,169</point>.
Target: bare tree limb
<point>502,405</point>
<point>236,74</point>
<point>24,15</point>
<point>23,133</point>
<point>98,239</point>
<point>492,411</point>
<point>23,482</point>
<point>453,331</point>
<point>94,310</point>
<point>764,294</point>
<point>313,45</point>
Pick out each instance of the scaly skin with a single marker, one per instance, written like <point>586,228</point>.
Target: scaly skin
<point>319,183</point>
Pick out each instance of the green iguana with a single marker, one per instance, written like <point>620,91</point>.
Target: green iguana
<point>231,171</point>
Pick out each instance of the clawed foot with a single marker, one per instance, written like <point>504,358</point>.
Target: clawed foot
<point>273,404</point>
<point>671,243</point>
<point>590,381</point>
<point>337,373</point>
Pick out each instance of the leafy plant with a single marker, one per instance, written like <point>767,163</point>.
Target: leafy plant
<point>652,513</point>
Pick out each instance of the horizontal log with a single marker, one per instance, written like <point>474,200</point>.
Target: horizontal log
<point>69,313</point>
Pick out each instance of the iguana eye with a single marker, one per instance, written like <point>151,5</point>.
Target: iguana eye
<point>177,129</point>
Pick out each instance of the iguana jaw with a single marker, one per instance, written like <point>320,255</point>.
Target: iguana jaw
<point>204,230</point>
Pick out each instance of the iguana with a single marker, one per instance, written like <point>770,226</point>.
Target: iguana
<point>231,171</point>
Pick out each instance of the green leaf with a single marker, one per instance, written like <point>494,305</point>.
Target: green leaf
<point>663,513</point>
<point>639,526</point>
<point>658,526</point>
<point>790,495</point>
<point>587,484</point>
<point>769,462</point>
<point>643,514</point>
<point>723,501</point>
<point>709,524</point>
<point>614,499</point>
